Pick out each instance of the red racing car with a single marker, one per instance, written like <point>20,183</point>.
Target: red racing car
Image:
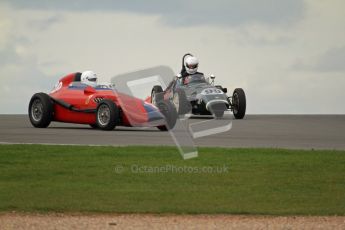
<point>101,107</point>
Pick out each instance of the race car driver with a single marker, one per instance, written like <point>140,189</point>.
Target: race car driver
<point>89,78</point>
<point>189,67</point>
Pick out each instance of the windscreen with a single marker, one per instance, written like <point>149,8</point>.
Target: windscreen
<point>195,78</point>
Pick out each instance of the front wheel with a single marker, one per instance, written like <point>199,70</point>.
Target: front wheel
<point>107,115</point>
<point>182,105</point>
<point>156,94</point>
<point>170,114</point>
<point>41,110</point>
<point>239,103</point>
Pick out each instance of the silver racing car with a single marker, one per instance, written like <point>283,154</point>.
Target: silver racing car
<point>200,96</point>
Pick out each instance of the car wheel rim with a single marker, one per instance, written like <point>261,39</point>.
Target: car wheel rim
<point>103,115</point>
<point>235,103</point>
<point>176,102</point>
<point>37,110</point>
<point>153,98</point>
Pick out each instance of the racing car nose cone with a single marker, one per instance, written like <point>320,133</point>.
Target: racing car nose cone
<point>153,114</point>
<point>217,104</point>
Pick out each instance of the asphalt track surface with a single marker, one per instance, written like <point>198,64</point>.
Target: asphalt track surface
<point>273,131</point>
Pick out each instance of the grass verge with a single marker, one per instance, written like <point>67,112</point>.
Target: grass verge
<point>39,178</point>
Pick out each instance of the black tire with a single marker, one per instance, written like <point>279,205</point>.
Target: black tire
<point>41,110</point>
<point>107,115</point>
<point>156,94</point>
<point>170,114</point>
<point>239,103</point>
<point>181,103</point>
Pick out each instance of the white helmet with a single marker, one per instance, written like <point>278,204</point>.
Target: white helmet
<point>89,78</point>
<point>191,64</point>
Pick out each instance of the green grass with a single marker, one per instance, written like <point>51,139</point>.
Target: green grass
<point>35,178</point>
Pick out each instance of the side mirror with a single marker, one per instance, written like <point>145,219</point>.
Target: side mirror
<point>89,90</point>
<point>225,90</point>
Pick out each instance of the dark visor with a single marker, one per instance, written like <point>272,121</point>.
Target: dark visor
<point>92,79</point>
<point>192,66</point>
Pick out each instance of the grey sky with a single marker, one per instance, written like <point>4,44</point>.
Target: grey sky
<point>285,54</point>
<point>333,60</point>
<point>186,13</point>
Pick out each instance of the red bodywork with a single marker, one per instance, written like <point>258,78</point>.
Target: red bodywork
<point>83,100</point>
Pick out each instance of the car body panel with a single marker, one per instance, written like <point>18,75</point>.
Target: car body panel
<point>76,102</point>
<point>200,93</point>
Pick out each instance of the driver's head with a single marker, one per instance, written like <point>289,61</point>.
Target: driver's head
<point>89,78</point>
<point>191,64</point>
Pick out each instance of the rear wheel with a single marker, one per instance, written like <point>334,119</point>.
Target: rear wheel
<point>107,115</point>
<point>170,114</point>
<point>41,110</point>
<point>239,103</point>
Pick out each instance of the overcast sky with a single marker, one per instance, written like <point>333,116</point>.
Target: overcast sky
<point>288,56</point>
